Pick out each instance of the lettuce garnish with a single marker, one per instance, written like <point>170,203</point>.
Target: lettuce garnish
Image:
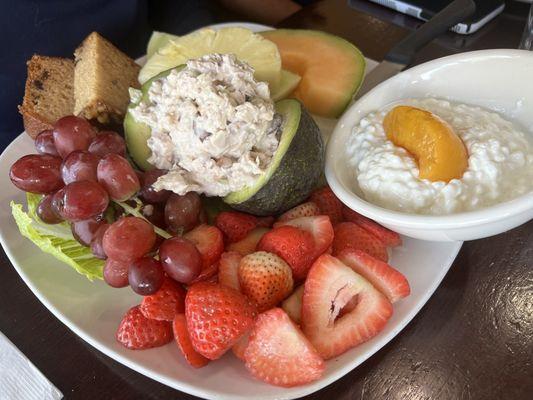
<point>56,240</point>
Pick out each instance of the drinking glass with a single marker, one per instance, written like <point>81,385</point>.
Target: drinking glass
<point>527,37</point>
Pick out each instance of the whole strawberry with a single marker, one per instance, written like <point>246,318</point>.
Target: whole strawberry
<point>137,332</point>
<point>265,278</point>
<point>217,316</point>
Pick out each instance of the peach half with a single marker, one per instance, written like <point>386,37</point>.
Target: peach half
<point>440,153</point>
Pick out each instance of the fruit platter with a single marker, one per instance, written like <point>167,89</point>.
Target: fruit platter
<point>214,258</point>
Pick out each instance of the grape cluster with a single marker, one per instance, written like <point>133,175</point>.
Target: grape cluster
<point>79,171</point>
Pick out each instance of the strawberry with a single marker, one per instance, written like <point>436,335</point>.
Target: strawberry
<point>329,287</point>
<point>385,278</point>
<point>235,225</point>
<point>292,305</point>
<point>228,271</point>
<point>319,227</point>
<point>388,237</point>
<point>265,278</point>
<point>183,340</point>
<point>209,241</point>
<point>294,245</point>
<point>308,209</point>
<point>217,317</point>
<point>208,274</point>
<point>278,353</point>
<point>265,222</point>
<point>164,304</point>
<point>249,243</point>
<point>328,204</point>
<point>351,236</point>
<point>239,348</point>
<point>136,332</point>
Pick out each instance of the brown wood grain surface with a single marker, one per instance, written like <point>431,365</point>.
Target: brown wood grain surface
<point>472,340</point>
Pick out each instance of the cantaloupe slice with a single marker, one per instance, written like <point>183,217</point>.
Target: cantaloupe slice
<point>331,68</point>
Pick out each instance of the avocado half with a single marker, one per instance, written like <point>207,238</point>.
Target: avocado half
<point>294,171</point>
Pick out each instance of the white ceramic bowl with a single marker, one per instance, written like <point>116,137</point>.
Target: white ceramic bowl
<point>500,80</point>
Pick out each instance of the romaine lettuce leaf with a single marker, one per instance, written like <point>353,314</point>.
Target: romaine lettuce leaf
<point>56,240</point>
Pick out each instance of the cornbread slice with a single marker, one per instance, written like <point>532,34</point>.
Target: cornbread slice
<point>49,93</point>
<point>102,77</point>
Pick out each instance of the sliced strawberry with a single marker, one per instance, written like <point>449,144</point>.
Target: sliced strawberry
<point>351,236</point>
<point>235,225</point>
<point>385,278</point>
<point>292,305</point>
<point>207,274</point>
<point>217,317</point>
<point>329,287</point>
<point>265,222</point>
<point>239,348</point>
<point>209,241</point>
<point>265,278</point>
<point>249,243</point>
<point>388,237</point>
<point>228,270</point>
<point>320,227</point>
<point>137,332</point>
<point>308,209</point>
<point>328,204</point>
<point>164,304</point>
<point>183,340</point>
<point>278,353</point>
<point>294,245</point>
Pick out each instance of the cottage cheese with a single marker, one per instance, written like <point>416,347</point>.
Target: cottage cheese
<point>213,126</point>
<point>500,163</point>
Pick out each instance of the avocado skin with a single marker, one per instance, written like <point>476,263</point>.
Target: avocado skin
<point>298,174</point>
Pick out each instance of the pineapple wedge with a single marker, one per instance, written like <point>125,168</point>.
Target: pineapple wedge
<point>157,41</point>
<point>260,53</point>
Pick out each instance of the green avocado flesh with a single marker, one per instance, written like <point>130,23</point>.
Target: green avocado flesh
<point>294,170</point>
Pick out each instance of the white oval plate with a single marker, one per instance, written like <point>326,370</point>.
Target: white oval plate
<point>94,310</point>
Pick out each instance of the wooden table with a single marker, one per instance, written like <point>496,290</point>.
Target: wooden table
<point>472,340</point>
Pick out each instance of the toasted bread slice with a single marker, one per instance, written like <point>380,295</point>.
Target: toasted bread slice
<point>49,93</point>
<point>102,77</point>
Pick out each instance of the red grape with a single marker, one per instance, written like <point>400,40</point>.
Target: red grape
<point>182,212</point>
<point>180,259</point>
<point>37,173</point>
<point>145,276</point>
<point>46,211</point>
<point>97,247</point>
<point>108,142</point>
<point>72,133</point>
<point>116,273</point>
<point>82,200</point>
<point>148,193</point>
<point>117,176</point>
<point>44,143</point>
<point>79,166</point>
<point>57,202</point>
<point>84,231</point>
<point>128,238</point>
<point>155,214</point>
